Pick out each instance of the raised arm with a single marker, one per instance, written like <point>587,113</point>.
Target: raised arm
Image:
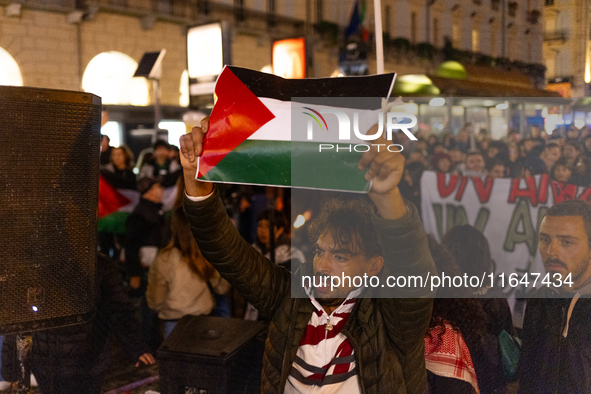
<point>384,170</point>
<point>191,148</point>
<point>406,253</point>
<point>262,283</point>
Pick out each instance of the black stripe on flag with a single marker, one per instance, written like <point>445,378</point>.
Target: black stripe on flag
<point>272,86</point>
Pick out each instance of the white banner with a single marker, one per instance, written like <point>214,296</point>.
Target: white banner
<point>507,211</point>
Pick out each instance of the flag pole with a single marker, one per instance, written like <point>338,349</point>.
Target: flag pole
<point>377,7</point>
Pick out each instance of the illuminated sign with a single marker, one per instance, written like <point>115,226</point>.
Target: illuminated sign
<point>208,50</point>
<point>562,88</point>
<point>289,58</point>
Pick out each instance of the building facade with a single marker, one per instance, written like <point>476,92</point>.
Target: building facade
<point>95,45</point>
<point>567,34</point>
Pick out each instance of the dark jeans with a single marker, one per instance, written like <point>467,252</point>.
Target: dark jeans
<point>147,317</point>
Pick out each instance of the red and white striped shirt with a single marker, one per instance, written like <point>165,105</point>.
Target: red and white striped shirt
<point>325,362</point>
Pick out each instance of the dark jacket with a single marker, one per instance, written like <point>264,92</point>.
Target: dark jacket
<point>550,361</point>
<point>73,359</point>
<point>387,334</point>
<point>442,385</point>
<point>119,179</point>
<point>106,156</point>
<point>485,350</point>
<point>144,228</point>
<point>166,174</point>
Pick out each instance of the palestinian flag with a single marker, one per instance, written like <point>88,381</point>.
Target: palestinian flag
<point>257,132</point>
<point>115,206</point>
<point>110,200</point>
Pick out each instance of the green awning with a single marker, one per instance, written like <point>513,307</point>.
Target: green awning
<point>414,85</point>
<point>451,69</point>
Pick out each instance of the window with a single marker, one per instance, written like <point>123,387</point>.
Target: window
<point>413,27</point>
<point>387,20</point>
<point>548,2</point>
<point>475,41</point>
<point>175,130</point>
<point>495,5</point>
<point>164,7</point>
<point>319,11</point>
<point>550,63</point>
<point>550,23</point>
<point>456,35</point>
<point>110,75</point>
<point>203,6</point>
<point>271,10</point>
<point>493,43</point>
<point>239,10</point>
<point>184,97</point>
<point>113,131</point>
<point>512,8</point>
<point>435,32</point>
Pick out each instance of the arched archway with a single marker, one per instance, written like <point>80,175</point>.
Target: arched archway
<point>110,76</point>
<point>10,73</point>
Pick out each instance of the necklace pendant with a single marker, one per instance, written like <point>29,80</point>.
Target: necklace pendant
<point>329,327</point>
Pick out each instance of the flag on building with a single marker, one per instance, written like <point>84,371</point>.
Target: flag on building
<point>250,138</point>
<point>358,21</point>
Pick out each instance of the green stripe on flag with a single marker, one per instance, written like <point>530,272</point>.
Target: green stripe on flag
<point>363,12</point>
<point>286,163</point>
<point>256,162</point>
<point>113,223</point>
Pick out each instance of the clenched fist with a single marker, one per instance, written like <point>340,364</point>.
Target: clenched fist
<point>191,148</point>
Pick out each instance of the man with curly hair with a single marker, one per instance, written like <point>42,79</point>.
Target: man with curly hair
<point>341,339</point>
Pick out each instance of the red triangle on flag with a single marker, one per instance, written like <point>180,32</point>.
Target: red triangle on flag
<point>110,200</point>
<point>237,115</point>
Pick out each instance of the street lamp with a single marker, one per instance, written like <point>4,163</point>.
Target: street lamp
<point>150,67</point>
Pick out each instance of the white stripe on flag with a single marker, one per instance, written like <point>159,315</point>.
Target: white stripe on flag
<point>280,127</point>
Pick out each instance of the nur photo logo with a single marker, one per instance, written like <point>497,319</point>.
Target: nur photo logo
<point>394,122</point>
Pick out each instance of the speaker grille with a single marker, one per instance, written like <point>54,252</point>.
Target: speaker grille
<point>48,206</point>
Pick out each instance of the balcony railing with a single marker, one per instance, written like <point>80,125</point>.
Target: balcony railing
<point>556,35</point>
<point>56,5</point>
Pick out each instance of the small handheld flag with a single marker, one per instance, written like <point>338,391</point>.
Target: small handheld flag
<point>110,200</point>
<point>251,137</point>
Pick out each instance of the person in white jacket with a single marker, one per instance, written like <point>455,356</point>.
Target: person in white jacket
<point>178,279</point>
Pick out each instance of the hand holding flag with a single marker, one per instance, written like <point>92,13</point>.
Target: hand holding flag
<point>191,148</point>
<point>385,170</point>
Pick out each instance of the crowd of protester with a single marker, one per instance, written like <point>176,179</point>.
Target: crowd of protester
<point>565,157</point>
<point>163,276</point>
<point>166,275</point>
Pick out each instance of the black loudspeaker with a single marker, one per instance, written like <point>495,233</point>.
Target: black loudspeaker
<point>212,355</point>
<point>48,207</point>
